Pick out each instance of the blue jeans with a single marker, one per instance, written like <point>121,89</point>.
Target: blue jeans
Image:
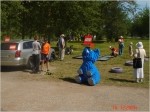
<point>120,51</point>
<point>121,46</point>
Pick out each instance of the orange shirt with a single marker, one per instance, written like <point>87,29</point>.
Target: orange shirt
<point>114,49</point>
<point>46,48</point>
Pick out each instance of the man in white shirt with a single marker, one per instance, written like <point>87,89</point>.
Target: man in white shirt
<point>61,46</point>
<point>36,55</point>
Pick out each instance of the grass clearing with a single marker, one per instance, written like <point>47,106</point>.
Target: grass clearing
<point>66,70</point>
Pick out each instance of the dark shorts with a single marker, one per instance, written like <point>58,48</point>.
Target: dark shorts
<point>44,57</point>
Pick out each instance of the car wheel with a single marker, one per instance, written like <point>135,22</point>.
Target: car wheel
<point>52,56</point>
<point>116,70</point>
<point>30,63</point>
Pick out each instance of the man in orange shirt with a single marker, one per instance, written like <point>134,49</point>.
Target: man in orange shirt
<point>45,50</point>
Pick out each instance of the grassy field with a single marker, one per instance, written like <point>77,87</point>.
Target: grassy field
<point>66,70</point>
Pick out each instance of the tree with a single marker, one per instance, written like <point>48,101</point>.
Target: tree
<point>50,18</point>
<point>10,17</point>
<point>140,25</point>
<point>115,18</point>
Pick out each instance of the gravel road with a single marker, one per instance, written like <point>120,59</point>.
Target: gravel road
<point>22,91</point>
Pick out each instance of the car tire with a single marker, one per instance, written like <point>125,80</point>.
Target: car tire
<point>116,70</point>
<point>129,63</point>
<point>52,56</point>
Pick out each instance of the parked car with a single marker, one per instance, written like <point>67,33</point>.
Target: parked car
<point>18,53</point>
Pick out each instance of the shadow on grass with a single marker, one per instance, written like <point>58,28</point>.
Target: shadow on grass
<point>119,72</point>
<point>72,80</point>
<point>68,79</point>
<point>121,80</point>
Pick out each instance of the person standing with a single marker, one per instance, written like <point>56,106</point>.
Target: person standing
<point>121,45</point>
<point>131,49</point>
<point>139,53</point>
<point>45,50</point>
<point>61,47</point>
<point>36,55</point>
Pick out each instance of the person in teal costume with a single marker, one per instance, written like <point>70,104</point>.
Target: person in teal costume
<point>88,72</point>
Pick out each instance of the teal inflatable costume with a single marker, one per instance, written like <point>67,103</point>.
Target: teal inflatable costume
<point>88,73</point>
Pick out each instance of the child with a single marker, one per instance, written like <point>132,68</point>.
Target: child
<point>121,46</point>
<point>131,49</point>
<point>114,51</point>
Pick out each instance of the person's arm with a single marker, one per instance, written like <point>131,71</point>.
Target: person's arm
<point>135,53</point>
<point>49,48</point>
<point>33,46</point>
<point>63,43</point>
<point>39,46</point>
<point>144,53</point>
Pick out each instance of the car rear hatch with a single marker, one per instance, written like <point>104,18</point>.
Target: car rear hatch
<point>9,51</point>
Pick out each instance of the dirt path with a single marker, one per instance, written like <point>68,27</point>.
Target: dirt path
<point>21,91</point>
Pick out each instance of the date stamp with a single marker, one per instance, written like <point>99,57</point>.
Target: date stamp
<point>123,107</point>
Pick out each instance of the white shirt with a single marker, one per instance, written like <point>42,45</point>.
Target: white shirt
<point>36,47</point>
<point>142,53</point>
<point>61,42</point>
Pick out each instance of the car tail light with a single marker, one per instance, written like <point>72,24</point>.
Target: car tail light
<point>17,54</point>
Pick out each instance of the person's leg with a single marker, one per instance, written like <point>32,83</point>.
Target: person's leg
<point>35,58</point>
<point>34,63</point>
<point>138,75</point>
<point>122,51</point>
<point>42,65</point>
<point>62,54</point>
<point>59,54</point>
<point>142,72</point>
<point>119,51</point>
<point>141,75</point>
<point>47,64</point>
<point>37,63</point>
<point>42,60</point>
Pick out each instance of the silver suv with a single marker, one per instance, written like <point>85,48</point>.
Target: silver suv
<point>17,53</point>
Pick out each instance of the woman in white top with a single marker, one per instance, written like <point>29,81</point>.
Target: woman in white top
<point>140,53</point>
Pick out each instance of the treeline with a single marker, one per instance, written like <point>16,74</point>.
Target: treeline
<point>109,19</point>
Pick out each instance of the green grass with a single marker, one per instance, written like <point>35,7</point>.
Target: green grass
<point>66,70</point>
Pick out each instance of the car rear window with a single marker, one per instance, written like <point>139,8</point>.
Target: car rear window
<point>9,46</point>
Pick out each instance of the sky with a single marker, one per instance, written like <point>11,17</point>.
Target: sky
<point>143,3</point>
